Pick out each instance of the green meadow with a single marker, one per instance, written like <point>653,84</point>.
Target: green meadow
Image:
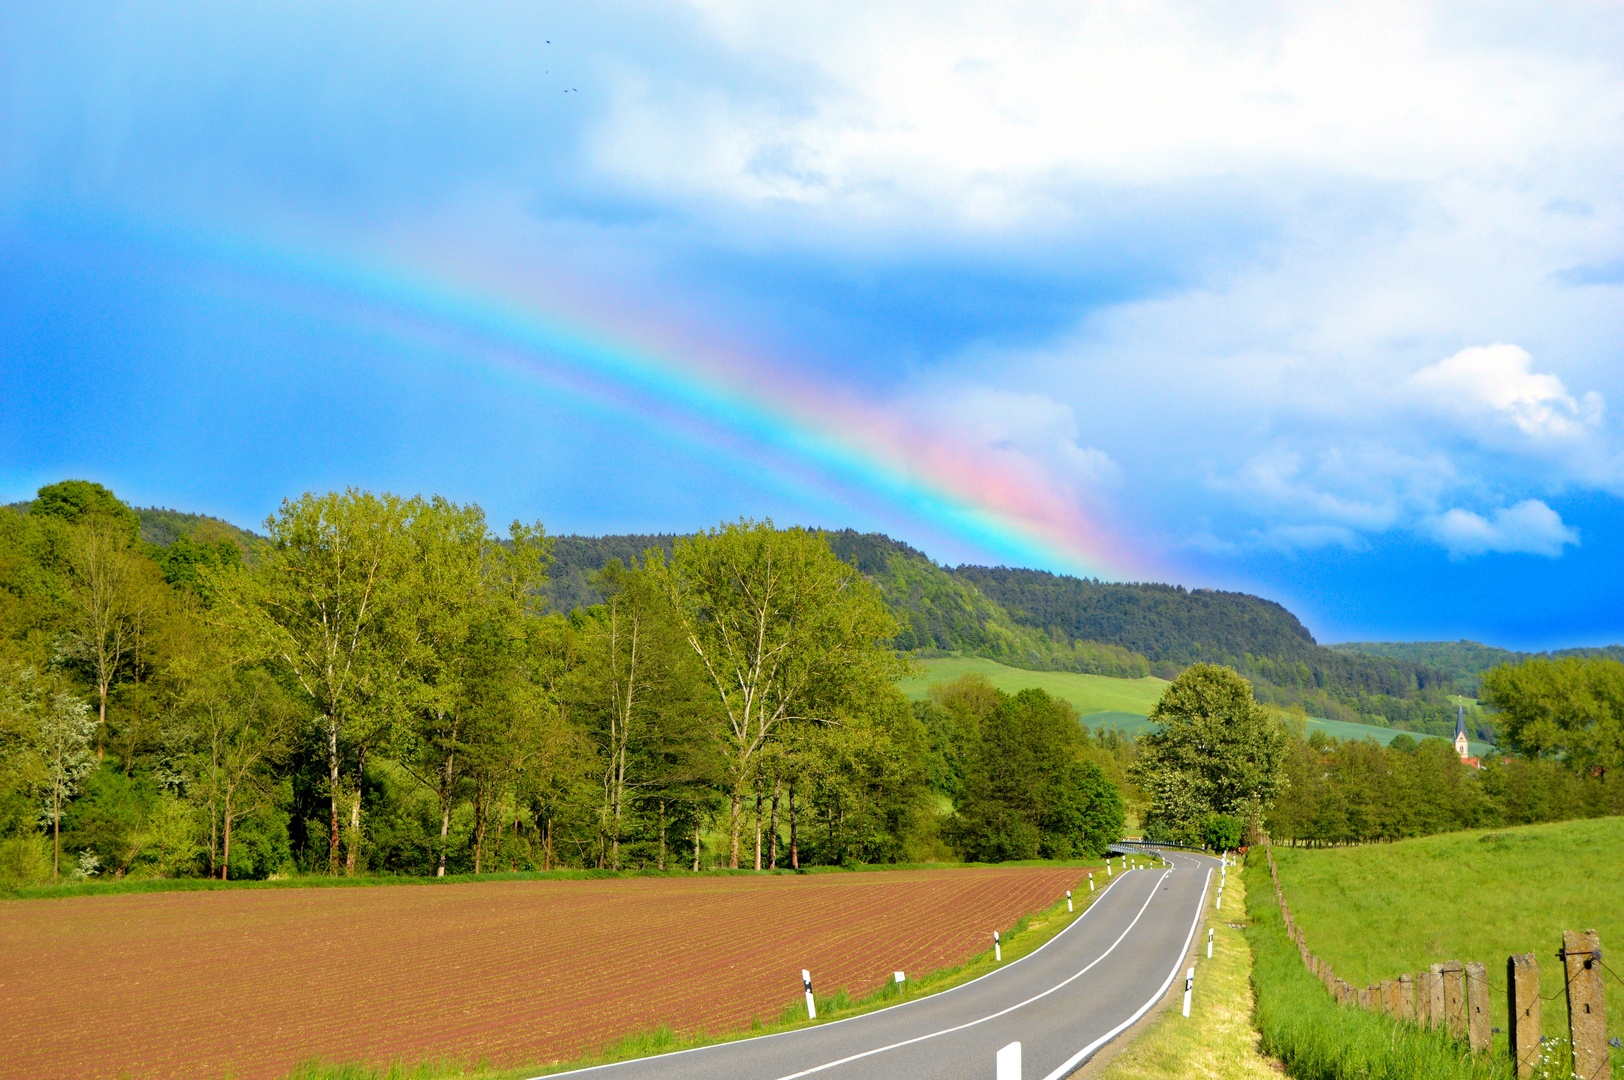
<point>1089,693</point>
<point>1379,910</point>
<point>1101,699</point>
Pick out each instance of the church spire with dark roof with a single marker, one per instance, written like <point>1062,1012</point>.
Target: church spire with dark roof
<point>1462,747</point>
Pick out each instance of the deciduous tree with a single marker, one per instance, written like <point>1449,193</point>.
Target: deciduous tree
<point>786,632</point>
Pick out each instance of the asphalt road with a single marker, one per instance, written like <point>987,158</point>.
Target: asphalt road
<point>1062,1003</point>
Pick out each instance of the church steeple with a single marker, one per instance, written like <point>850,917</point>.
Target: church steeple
<point>1462,747</point>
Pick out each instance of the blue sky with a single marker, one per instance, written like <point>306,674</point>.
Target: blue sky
<point>1320,303</point>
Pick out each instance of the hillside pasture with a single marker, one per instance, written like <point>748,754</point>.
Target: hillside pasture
<point>1106,701</point>
<point>248,984</point>
<point>1379,910</point>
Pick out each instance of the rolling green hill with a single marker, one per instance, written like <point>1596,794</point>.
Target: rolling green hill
<point>1052,623</point>
<point>1104,701</point>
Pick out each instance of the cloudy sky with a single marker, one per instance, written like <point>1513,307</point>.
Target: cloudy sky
<point>1320,302</point>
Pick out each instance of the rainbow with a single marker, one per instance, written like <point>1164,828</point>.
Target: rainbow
<point>876,451</point>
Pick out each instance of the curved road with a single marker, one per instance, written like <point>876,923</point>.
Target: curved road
<point>1062,1003</point>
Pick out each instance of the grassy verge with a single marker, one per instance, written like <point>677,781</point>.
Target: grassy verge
<point>321,881</point>
<point>1317,1039</point>
<point>1029,934</point>
<point>1216,1040</point>
<point>1380,910</point>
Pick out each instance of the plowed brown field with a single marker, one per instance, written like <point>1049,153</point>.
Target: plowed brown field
<point>252,982</point>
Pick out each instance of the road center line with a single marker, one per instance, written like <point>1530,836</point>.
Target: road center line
<point>1009,1009</point>
<point>1178,962</point>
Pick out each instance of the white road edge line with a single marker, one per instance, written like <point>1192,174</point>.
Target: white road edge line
<point>1082,1055</point>
<point>861,1016</point>
<point>1000,1012</point>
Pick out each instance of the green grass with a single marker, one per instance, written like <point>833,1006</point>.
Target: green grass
<point>1090,693</point>
<point>1105,701</point>
<point>1026,936</point>
<point>1317,1039</point>
<point>1380,910</point>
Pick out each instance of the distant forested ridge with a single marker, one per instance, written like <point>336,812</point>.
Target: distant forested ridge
<point>1463,661</point>
<point>1049,622</point>
<point>577,558</point>
<point>162,527</point>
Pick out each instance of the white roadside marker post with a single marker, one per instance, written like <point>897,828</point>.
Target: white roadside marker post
<point>1209,943</point>
<point>1068,899</point>
<point>1189,982</point>
<point>898,977</point>
<point>1107,867</point>
<point>811,1006</point>
<point>997,949</point>
<point>1009,1062</point>
<point>1091,881</point>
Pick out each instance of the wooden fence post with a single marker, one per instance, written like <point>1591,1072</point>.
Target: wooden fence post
<point>1454,998</point>
<point>1436,1016</point>
<point>1522,1012</point>
<point>1477,1007</point>
<point>1365,1001</point>
<point>1587,1011</point>
<point>1423,998</point>
<point>1406,998</point>
<point>1389,1002</point>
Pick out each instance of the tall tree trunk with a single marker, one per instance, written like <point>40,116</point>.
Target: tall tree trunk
<point>734,825</point>
<point>758,823</point>
<point>225,855</point>
<point>355,813</point>
<point>480,811</point>
<point>56,837</point>
<point>332,783</point>
<point>696,843</point>
<point>101,726</point>
<point>772,831</point>
<point>662,834</point>
<point>445,803</point>
<point>547,853</point>
<point>794,837</point>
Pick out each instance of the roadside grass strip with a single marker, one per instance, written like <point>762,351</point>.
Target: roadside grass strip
<point>1025,937</point>
<point>1317,1039</point>
<point>1217,1040</point>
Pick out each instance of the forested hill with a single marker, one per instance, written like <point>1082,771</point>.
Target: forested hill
<point>162,527</point>
<point>1046,622</point>
<point>1463,660</point>
<point>1170,624</point>
<point>575,558</point>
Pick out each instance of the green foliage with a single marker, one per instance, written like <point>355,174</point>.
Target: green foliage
<point>73,501</point>
<point>787,635</point>
<point>1026,791</point>
<point>1217,752</point>
<point>1223,832</point>
<point>1571,709</point>
<point>1356,791</point>
<point>1317,1039</point>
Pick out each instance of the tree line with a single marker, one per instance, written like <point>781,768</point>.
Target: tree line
<point>382,688</point>
<point>1221,765</point>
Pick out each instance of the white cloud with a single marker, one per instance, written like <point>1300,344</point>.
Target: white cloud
<point>1030,430</point>
<point>1498,382</point>
<point>1529,527</point>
